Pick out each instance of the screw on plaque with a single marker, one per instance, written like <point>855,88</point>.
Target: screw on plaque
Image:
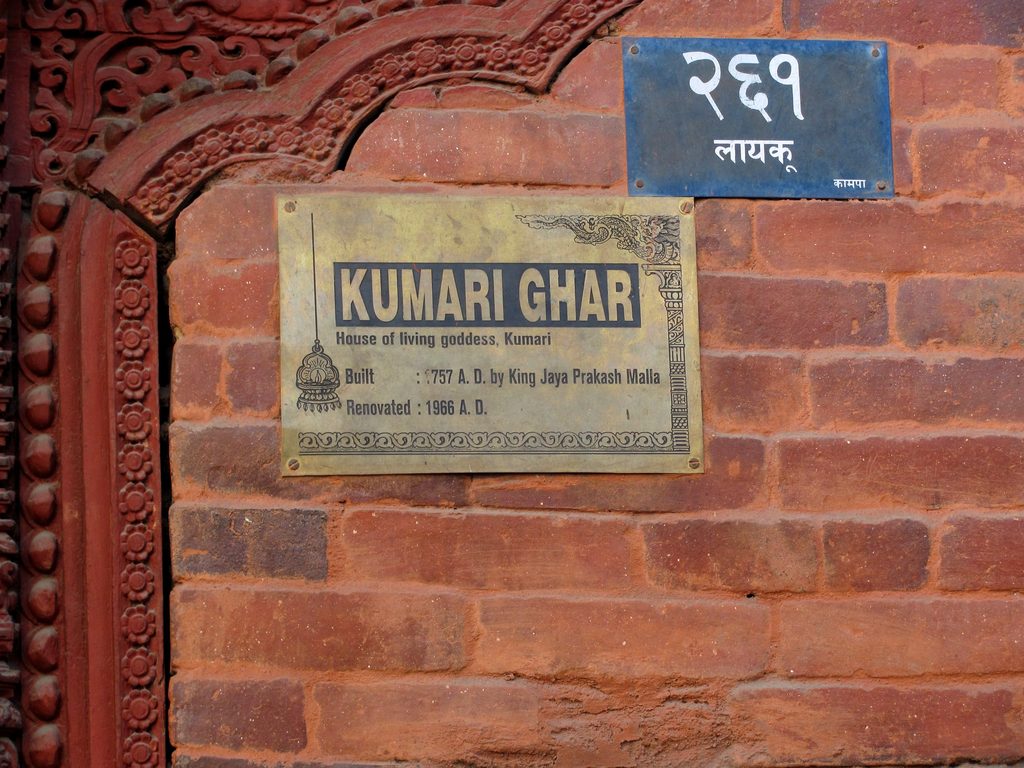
<point>694,463</point>
<point>881,186</point>
<point>290,206</point>
<point>639,183</point>
<point>634,50</point>
<point>293,464</point>
<point>875,52</point>
<point>686,207</point>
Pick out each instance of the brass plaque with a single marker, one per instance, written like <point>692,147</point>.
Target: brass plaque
<point>429,333</point>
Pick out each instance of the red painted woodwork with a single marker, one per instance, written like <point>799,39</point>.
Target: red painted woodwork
<point>128,111</point>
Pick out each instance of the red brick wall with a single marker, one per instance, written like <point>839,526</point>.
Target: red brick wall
<point>840,587</point>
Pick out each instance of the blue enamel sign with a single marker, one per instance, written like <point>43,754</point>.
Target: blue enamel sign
<point>757,118</point>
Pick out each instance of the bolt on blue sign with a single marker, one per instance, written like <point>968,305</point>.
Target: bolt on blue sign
<point>757,118</point>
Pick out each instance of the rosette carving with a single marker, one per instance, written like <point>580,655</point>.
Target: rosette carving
<point>134,277</point>
<point>136,104</point>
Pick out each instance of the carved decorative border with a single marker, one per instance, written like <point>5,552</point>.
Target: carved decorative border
<point>138,498</point>
<point>10,212</point>
<point>41,530</point>
<point>654,240</point>
<point>144,135</point>
<point>342,443</point>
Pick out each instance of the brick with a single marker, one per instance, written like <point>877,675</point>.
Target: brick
<point>1013,85</point>
<point>636,724</point>
<point>461,96</point>
<point>892,637</point>
<point>932,392</point>
<point>593,78</point>
<point>219,298</point>
<point>753,393</point>
<point>622,638</point>
<point>235,714</point>
<point>724,231</point>
<point>738,555</point>
<point>205,541</point>
<point>184,760</point>
<point>948,82</point>
<point>928,471</point>
<point>279,543</point>
<point>984,312</point>
<point>424,97</point>
<point>902,162</point>
<point>982,553</point>
<point>994,22</point>
<point>892,554</point>
<point>759,312</point>
<point>318,629</point>
<point>734,477</point>
<point>195,378</point>
<point>445,720</point>
<point>209,228</point>
<point>488,551</point>
<point>482,96</point>
<point>885,238</point>
<point>252,383</point>
<point>793,724</point>
<point>988,159</point>
<point>519,147</point>
<point>243,458</point>
<point>699,17</point>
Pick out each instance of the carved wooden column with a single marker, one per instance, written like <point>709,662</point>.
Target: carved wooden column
<point>10,214</point>
<point>126,110</point>
<point>90,488</point>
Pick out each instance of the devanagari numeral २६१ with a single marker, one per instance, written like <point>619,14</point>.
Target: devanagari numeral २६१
<point>747,79</point>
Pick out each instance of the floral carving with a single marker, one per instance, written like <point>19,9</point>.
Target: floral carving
<point>131,340</point>
<point>131,298</point>
<point>137,543</point>
<point>132,380</point>
<point>135,501</point>
<point>138,622</point>
<point>135,461</point>
<point>133,421</point>
<point>87,85</point>
<point>137,583</point>
<point>274,18</point>
<point>139,709</point>
<point>132,257</point>
<point>104,69</point>
<point>139,667</point>
<point>141,750</point>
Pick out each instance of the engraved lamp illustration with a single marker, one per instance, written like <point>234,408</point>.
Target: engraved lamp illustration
<point>317,378</point>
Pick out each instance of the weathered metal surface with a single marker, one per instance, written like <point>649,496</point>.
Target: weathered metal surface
<point>757,118</point>
<point>447,334</point>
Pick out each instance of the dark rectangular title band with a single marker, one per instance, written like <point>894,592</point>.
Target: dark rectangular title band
<point>369,294</point>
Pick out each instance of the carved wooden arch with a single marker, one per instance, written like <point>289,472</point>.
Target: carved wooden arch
<point>136,105</point>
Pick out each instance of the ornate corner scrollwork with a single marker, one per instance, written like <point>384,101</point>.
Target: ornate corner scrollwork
<point>88,89</point>
<point>88,137</point>
<point>655,241</point>
<point>315,140</point>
